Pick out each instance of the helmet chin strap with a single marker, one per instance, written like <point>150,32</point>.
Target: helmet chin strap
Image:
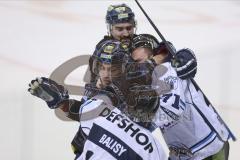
<point>135,26</point>
<point>99,85</point>
<point>109,28</point>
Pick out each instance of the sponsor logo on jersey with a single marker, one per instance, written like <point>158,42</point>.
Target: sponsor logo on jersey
<point>129,127</point>
<point>171,114</point>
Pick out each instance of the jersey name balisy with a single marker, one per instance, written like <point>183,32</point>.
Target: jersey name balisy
<point>187,134</point>
<point>112,135</point>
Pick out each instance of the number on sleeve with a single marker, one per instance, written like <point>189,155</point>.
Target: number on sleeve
<point>176,100</point>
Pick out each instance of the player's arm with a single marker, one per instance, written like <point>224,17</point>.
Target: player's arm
<point>184,61</point>
<point>172,103</point>
<point>71,108</point>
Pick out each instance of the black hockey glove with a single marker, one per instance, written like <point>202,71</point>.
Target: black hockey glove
<point>78,142</point>
<point>185,63</point>
<point>49,91</point>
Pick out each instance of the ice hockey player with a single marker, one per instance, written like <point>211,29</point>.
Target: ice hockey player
<point>107,133</point>
<point>121,25</point>
<point>191,128</point>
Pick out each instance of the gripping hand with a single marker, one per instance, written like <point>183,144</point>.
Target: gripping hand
<point>185,63</point>
<point>49,91</point>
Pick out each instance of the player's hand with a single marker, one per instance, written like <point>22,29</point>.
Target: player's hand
<point>159,59</point>
<point>185,63</point>
<point>49,91</point>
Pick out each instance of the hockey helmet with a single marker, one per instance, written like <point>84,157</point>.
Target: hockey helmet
<point>142,99</point>
<point>110,52</point>
<point>120,14</point>
<point>142,102</point>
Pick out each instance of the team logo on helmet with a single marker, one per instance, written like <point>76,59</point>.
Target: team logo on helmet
<point>109,48</point>
<point>106,56</point>
<point>120,9</point>
<point>122,15</point>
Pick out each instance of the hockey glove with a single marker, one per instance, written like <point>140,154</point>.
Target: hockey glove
<point>49,91</point>
<point>185,63</point>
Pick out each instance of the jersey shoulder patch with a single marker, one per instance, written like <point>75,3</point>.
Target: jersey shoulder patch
<point>91,104</point>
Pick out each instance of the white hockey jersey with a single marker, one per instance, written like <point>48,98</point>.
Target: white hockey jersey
<point>113,136</point>
<point>189,134</point>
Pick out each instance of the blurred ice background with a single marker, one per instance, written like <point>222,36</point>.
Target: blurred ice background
<point>38,36</point>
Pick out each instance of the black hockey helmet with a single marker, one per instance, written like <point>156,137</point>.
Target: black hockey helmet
<point>144,41</point>
<point>141,97</point>
<point>120,14</point>
<point>110,52</point>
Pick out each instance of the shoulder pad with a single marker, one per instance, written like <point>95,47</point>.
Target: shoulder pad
<point>90,104</point>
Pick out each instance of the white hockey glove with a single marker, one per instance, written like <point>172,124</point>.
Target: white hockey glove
<point>185,63</point>
<point>49,91</point>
